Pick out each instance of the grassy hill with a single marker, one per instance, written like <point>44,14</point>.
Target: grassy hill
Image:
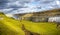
<point>9,26</point>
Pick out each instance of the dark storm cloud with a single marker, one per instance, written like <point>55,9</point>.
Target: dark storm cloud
<point>3,3</point>
<point>17,6</point>
<point>44,1</point>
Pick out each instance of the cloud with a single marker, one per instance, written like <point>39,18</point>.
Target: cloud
<point>26,6</point>
<point>3,3</point>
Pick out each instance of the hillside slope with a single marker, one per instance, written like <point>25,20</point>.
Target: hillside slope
<point>9,26</point>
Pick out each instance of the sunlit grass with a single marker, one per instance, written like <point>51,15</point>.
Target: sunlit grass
<point>45,28</point>
<point>10,26</point>
<point>13,26</point>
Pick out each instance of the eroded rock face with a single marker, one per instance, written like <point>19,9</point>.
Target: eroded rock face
<point>39,16</point>
<point>54,19</point>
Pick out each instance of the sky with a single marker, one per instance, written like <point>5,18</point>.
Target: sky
<point>27,6</point>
